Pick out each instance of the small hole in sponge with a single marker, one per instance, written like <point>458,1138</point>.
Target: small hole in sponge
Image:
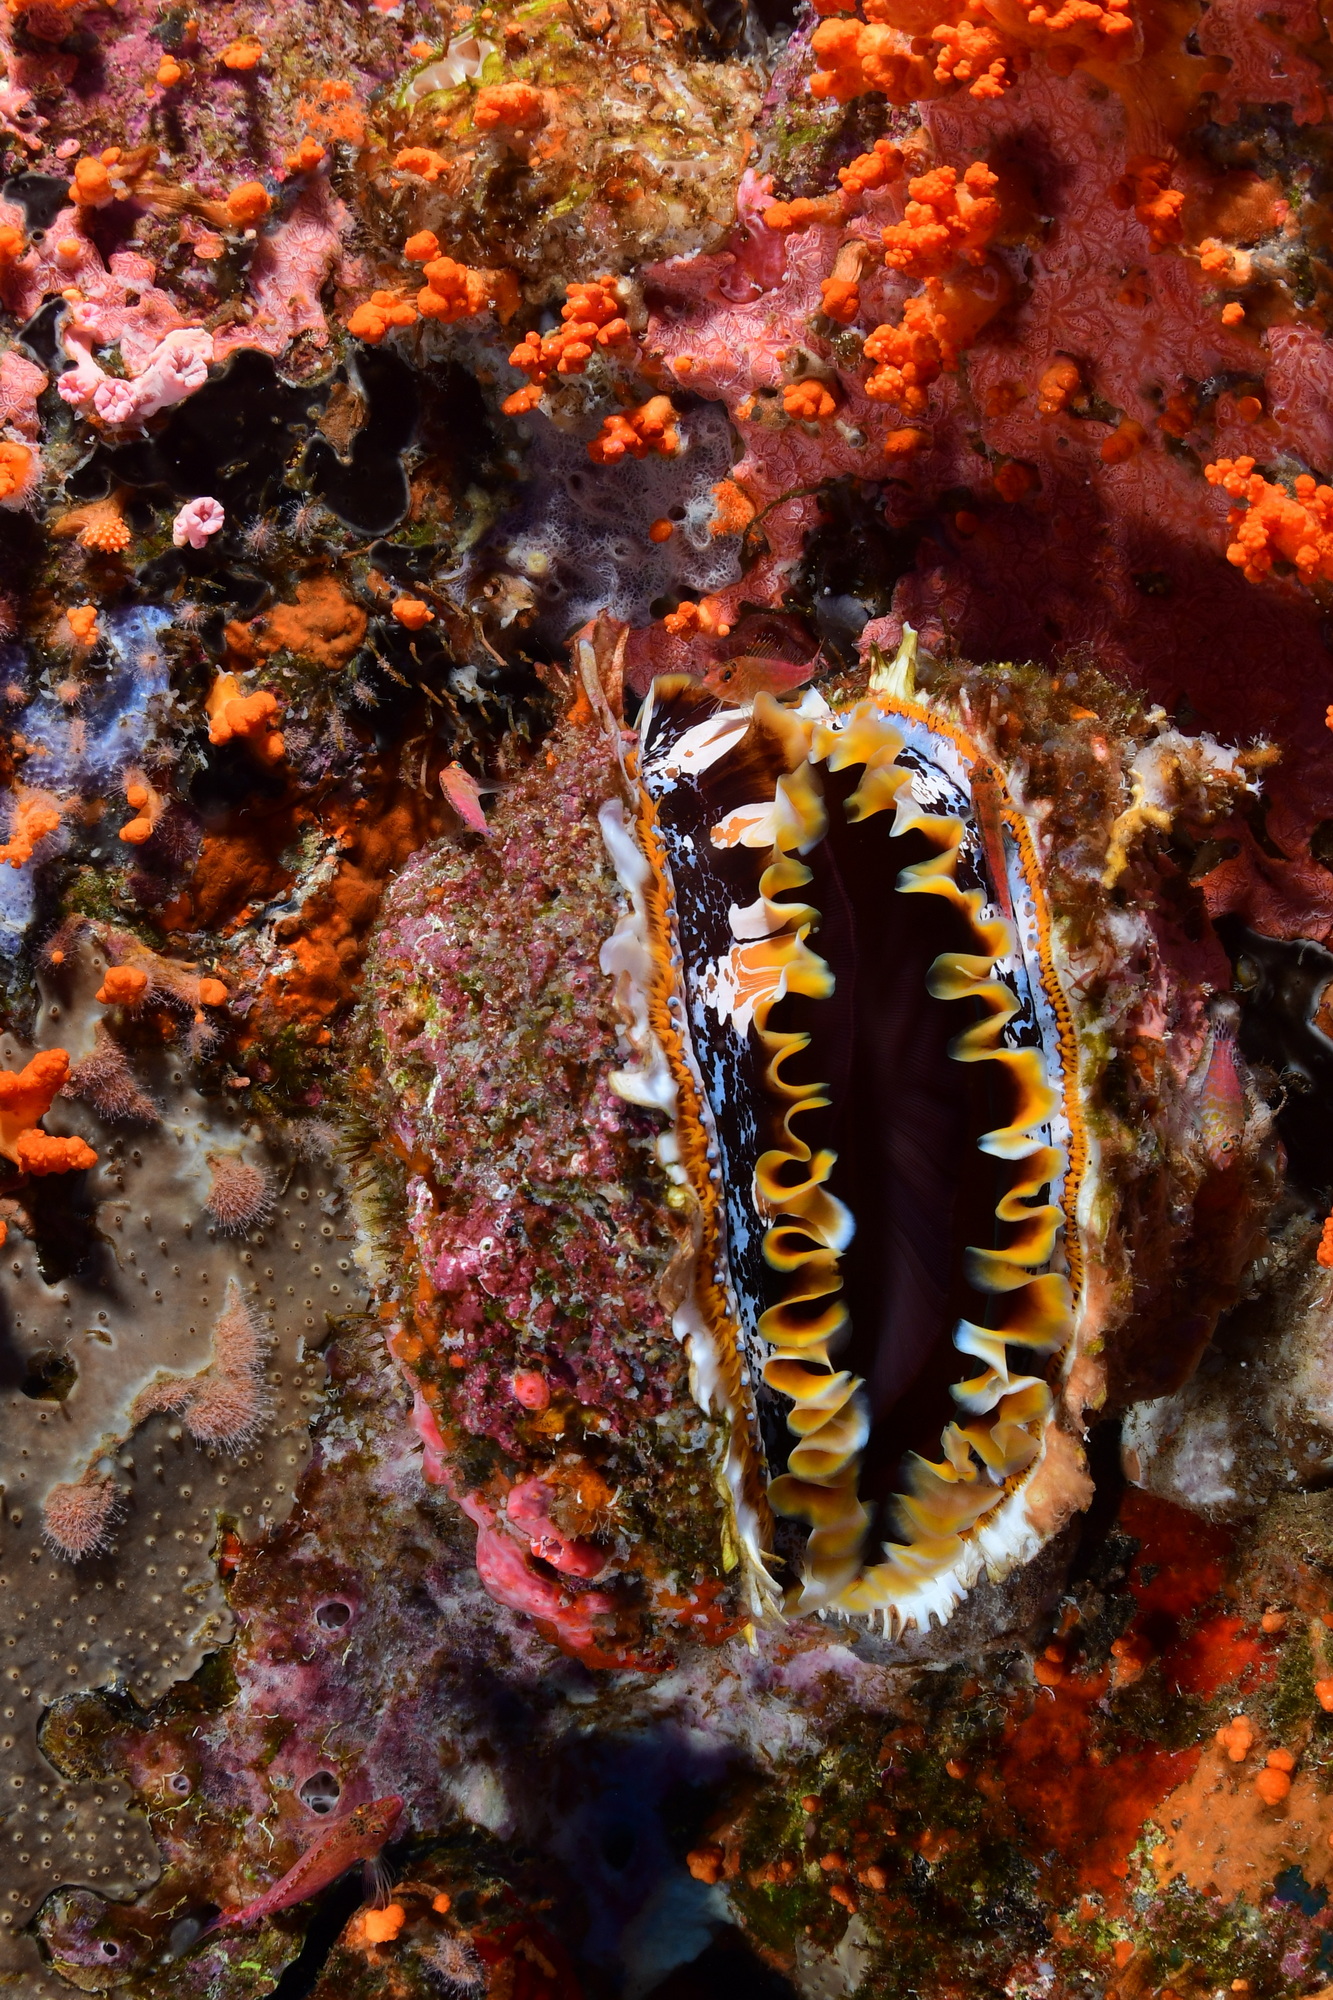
<point>49,1377</point>
<point>333,1615</point>
<point>320,1792</point>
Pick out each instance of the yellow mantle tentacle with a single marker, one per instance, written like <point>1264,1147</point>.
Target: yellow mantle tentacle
<point>981,1461</point>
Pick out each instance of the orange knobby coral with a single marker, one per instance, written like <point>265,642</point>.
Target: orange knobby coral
<point>92,185</point>
<point>421,160</point>
<point>1145,187</point>
<point>1127,438</point>
<point>854,57</point>
<point>452,291</point>
<point>651,427</point>
<point>518,105</point>
<point>809,400</point>
<point>82,622</point>
<point>944,221</point>
<point>1273,524</point>
<point>875,169</point>
<point>936,326</point>
<point>35,815</point>
<point>247,718</point>
<point>26,1096</point>
<point>909,51</point>
<point>248,203</point>
<point>305,157</point>
<point>1223,263</point>
<point>245,53</point>
<point>840,292</point>
<point>801,212</point>
<point>594,320</point>
<point>382,310</point>
<point>18,472</point>
<point>1058,386</point>
<point>122,986</point>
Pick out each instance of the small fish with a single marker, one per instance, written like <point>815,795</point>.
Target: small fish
<point>1223,1101</point>
<point>749,674</point>
<point>464,794</point>
<point>356,1836</point>
<point>990,825</point>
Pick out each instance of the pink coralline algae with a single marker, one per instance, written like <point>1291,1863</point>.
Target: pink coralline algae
<point>173,370</point>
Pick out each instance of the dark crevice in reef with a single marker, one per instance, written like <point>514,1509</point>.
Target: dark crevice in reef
<point>335,1909</point>
<point>368,488</point>
<point>231,439</point>
<point>40,196</point>
<point>851,564</point>
<point>64,1218</point>
<point>1280,983</point>
<point>726,1970</point>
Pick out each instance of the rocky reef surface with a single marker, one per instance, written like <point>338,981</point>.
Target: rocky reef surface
<point>666,946</point>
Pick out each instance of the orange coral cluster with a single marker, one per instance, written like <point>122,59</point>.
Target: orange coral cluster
<point>248,203</point>
<point>422,161</point>
<point>635,433</point>
<point>909,50</point>
<point>122,986</point>
<point>944,221</point>
<point>809,400</point>
<point>452,291</point>
<point>801,212</point>
<point>1145,186</point>
<point>18,470</point>
<point>520,106</point>
<point>26,1095</point>
<point>1271,524</point>
<point>246,718</point>
<point>594,320</point>
<point>334,114</point>
<point>34,817</point>
<point>875,169</point>
<point>935,328</point>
